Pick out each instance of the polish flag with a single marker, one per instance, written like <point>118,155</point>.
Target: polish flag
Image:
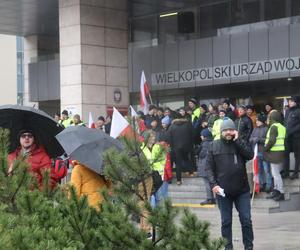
<point>145,91</point>
<point>133,112</point>
<point>255,170</point>
<point>119,125</point>
<point>91,121</point>
<point>285,104</point>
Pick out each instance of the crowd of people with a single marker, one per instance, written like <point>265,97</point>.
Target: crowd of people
<point>214,141</point>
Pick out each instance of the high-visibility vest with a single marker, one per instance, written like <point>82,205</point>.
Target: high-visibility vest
<point>196,114</point>
<point>279,144</point>
<point>67,123</point>
<point>156,157</point>
<point>216,130</point>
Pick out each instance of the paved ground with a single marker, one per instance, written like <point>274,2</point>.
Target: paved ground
<point>279,231</point>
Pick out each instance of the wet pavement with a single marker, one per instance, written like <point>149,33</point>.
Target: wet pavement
<point>276,231</point>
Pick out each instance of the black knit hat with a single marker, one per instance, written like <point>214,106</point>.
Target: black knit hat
<point>204,106</point>
<point>227,101</point>
<point>295,99</point>
<point>65,112</point>
<point>222,110</point>
<point>261,117</point>
<point>25,130</point>
<point>250,107</point>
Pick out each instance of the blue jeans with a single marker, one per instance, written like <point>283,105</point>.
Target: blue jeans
<point>242,204</point>
<point>160,194</point>
<point>265,175</point>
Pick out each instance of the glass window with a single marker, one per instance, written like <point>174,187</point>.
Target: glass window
<point>144,29</point>
<point>275,9</point>
<point>245,11</point>
<point>214,17</point>
<point>295,7</point>
<point>168,29</point>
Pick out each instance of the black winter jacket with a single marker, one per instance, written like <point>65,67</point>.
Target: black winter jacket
<point>226,165</point>
<point>292,123</point>
<point>244,126</point>
<point>181,134</point>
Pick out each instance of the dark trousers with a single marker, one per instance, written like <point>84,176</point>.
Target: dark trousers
<point>292,145</point>
<point>242,204</point>
<point>183,161</point>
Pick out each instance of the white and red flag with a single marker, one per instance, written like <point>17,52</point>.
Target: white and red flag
<point>133,113</point>
<point>256,170</point>
<point>144,93</point>
<point>91,121</point>
<point>285,105</point>
<point>119,125</point>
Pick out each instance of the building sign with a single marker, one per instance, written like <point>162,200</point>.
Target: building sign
<point>228,71</point>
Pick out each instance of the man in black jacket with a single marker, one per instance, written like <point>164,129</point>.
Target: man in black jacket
<point>292,142</point>
<point>226,172</point>
<point>244,124</point>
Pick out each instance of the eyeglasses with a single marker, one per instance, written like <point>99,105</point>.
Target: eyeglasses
<point>27,135</point>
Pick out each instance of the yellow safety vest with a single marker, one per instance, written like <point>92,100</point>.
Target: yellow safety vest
<point>216,130</point>
<point>196,114</point>
<point>67,122</point>
<point>279,144</point>
<point>156,157</point>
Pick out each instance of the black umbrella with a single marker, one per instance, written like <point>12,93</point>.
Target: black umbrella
<point>87,145</point>
<point>45,128</point>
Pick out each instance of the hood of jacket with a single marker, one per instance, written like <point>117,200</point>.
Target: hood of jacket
<point>275,117</point>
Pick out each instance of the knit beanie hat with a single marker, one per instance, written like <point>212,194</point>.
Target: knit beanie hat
<point>204,106</point>
<point>295,99</point>
<point>206,133</point>
<point>261,117</point>
<point>227,124</point>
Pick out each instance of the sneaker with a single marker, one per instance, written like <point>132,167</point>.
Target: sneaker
<point>279,197</point>
<point>208,202</point>
<point>179,183</point>
<point>284,175</point>
<point>273,194</point>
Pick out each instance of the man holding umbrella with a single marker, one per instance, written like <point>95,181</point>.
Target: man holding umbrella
<point>35,155</point>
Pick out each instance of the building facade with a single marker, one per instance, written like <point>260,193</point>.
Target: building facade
<point>8,72</point>
<point>88,55</point>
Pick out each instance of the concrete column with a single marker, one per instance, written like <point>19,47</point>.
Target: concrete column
<point>30,51</point>
<point>93,55</point>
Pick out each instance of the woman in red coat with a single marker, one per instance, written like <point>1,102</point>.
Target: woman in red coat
<point>35,155</point>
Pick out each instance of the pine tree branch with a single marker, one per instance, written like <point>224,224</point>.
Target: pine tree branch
<point>13,198</point>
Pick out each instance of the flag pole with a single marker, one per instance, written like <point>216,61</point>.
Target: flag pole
<point>150,98</point>
<point>253,193</point>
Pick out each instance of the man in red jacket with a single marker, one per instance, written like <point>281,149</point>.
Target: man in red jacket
<point>35,155</point>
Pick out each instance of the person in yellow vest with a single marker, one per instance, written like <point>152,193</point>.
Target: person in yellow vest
<point>77,121</point>
<point>156,155</point>
<point>66,121</point>
<point>89,183</point>
<point>274,152</point>
<point>193,105</point>
<point>216,129</point>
